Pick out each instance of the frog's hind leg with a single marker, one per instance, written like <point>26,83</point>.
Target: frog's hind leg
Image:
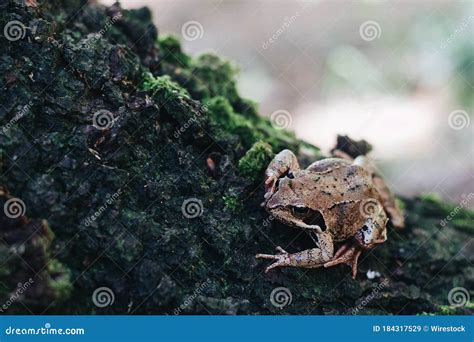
<point>310,258</point>
<point>388,199</point>
<point>347,254</point>
<point>389,203</point>
<point>371,234</point>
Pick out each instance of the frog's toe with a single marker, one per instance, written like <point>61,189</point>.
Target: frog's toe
<point>281,250</point>
<point>279,263</point>
<point>281,259</point>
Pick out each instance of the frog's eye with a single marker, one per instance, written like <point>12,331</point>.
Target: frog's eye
<point>299,210</point>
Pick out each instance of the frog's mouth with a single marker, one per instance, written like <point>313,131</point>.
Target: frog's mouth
<point>312,219</point>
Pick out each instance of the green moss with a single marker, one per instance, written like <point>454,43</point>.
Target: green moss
<point>218,75</point>
<point>465,225</point>
<point>231,202</point>
<point>453,310</point>
<point>223,115</point>
<point>60,280</point>
<point>164,87</point>
<point>172,53</point>
<point>255,160</point>
<point>430,197</point>
<point>399,202</point>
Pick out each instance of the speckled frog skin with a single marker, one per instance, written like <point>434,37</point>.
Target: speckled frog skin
<point>338,199</point>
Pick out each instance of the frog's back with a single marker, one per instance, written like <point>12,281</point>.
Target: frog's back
<point>338,194</point>
<point>343,183</point>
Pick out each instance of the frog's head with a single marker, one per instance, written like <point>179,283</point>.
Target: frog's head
<point>290,204</point>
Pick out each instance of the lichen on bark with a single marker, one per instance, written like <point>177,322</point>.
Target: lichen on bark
<point>113,197</point>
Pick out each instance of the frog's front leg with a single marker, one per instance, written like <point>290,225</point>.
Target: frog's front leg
<point>310,258</point>
<point>283,163</point>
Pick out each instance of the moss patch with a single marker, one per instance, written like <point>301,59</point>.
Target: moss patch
<point>256,160</point>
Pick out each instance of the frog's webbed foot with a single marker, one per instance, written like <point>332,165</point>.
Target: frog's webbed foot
<point>348,254</point>
<point>282,258</point>
<point>283,163</point>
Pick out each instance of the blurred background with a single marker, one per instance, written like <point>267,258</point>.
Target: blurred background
<point>399,74</point>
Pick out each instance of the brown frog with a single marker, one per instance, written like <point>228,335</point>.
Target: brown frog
<point>337,199</point>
